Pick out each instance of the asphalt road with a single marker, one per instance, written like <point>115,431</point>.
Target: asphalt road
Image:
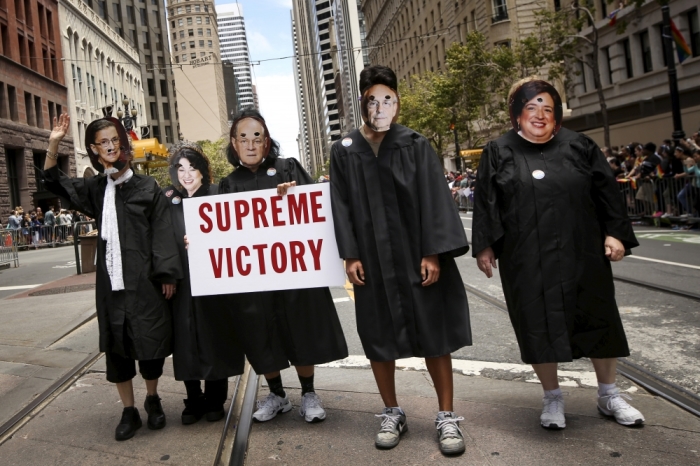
<point>37,267</point>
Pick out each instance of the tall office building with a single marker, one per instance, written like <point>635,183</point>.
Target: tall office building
<point>234,49</point>
<point>314,126</point>
<point>199,77</point>
<point>142,23</point>
<point>323,26</point>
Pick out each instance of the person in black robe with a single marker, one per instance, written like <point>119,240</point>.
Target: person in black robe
<point>137,262</point>
<point>550,211</point>
<point>399,230</point>
<point>205,344</point>
<point>277,328</point>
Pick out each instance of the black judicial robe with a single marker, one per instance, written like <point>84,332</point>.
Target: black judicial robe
<point>390,211</point>
<point>205,343</point>
<point>548,235</point>
<point>134,322</point>
<point>279,327</point>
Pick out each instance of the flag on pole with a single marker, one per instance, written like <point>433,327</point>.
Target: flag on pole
<point>682,48</point>
<point>612,17</point>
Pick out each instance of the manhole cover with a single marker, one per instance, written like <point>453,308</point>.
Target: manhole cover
<point>64,289</point>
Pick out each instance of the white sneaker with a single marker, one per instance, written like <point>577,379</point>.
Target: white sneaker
<point>270,406</point>
<point>311,408</point>
<point>613,404</point>
<point>393,425</point>
<point>552,416</point>
<point>449,434</point>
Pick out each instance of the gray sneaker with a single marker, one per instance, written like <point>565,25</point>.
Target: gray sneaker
<point>393,425</point>
<point>311,408</point>
<point>449,434</point>
<point>613,404</point>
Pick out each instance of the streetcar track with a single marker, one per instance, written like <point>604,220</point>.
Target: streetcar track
<point>651,382</point>
<point>662,289</point>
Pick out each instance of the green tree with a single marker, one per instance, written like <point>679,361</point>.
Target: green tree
<point>422,110</point>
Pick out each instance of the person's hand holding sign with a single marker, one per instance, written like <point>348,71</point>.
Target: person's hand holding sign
<point>283,187</point>
<point>356,274</point>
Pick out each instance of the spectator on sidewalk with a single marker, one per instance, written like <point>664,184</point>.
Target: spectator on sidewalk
<point>399,231</point>
<point>549,210</point>
<point>138,263</point>
<point>49,221</point>
<point>13,222</point>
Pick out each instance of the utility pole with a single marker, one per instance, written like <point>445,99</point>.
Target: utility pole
<point>678,132</point>
<point>458,157</point>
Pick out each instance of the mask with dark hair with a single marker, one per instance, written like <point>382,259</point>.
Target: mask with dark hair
<point>381,102</point>
<point>255,141</point>
<point>196,159</point>
<point>524,91</point>
<point>106,139</point>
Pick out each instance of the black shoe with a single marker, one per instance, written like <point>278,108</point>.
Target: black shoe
<point>194,410</point>
<point>215,413</point>
<point>156,416</point>
<point>129,424</point>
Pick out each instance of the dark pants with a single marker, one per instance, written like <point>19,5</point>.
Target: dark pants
<point>121,369</point>
<point>216,391</point>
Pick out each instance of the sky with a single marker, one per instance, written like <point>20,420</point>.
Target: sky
<point>269,30</point>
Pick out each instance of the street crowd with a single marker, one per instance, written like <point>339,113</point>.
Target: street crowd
<point>548,213</point>
<point>36,228</point>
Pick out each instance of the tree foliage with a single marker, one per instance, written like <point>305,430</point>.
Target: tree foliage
<point>471,93</point>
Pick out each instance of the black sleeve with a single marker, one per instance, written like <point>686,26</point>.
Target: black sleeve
<point>167,267</point>
<point>295,172</point>
<point>78,191</point>
<point>437,207</point>
<point>340,204</point>
<point>487,229</point>
<point>609,203</point>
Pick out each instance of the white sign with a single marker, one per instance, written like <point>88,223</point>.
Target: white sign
<point>259,241</point>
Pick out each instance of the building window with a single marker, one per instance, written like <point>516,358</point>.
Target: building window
<point>146,41</point>
<point>197,8</point>
<point>144,17</point>
<point>182,33</point>
<point>130,14</point>
<point>628,58</point>
<point>663,44</point>
<point>168,135</point>
<point>208,32</point>
<point>52,112</point>
<point>210,44</point>
<point>15,166</point>
<point>190,32</point>
<point>201,43</point>
<point>193,56</point>
<point>38,112</point>
<point>206,20</point>
<point>177,59</point>
<point>500,11</point>
<point>191,44</point>
<point>199,20</point>
<point>151,85</point>
<point>172,25</point>
<point>28,104</point>
<point>183,46</point>
<point>606,55</point>
<point>154,110</point>
<point>189,21</point>
<point>180,23</point>
<point>200,32</point>
<point>175,47</point>
<point>646,51</point>
<point>163,88</point>
<point>694,29</point>
<point>188,9</point>
<point>184,57</point>
<point>156,132</point>
<point>102,9</point>
<point>166,110</point>
<point>3,101</point>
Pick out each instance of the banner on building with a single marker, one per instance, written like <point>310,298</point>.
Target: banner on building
<point>259,241</point>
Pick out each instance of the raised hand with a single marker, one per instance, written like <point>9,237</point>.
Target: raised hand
<point>60,127</point>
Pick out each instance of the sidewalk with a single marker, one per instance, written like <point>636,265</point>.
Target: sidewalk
<point>501,427</point>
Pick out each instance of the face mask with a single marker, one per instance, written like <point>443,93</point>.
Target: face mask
<point>380,107</point>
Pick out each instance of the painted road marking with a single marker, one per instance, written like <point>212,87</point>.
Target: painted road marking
<point>341,300</point>
<point>18,287</point>
<point>677,264</point>
<point>666,236</point>
<point>567,378</point>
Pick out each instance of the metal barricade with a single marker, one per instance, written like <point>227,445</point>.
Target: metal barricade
<point>673,198</point>
<point>63,234</point>
<point>8,249</point>
<point>81,229</point>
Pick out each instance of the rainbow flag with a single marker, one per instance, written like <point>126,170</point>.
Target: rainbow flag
<point>659,171</point>
<point>612,17</point>
<point>682,48</point>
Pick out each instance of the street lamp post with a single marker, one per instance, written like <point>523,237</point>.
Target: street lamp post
<point>129,122</point>
<point>458,156</point>
<point>678,132</point>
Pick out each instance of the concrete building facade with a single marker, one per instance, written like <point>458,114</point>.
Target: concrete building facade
<point>199,77</point>
<point>314,124</point>
<point>635,78</point>
<point>32,92</point>
<point>234,49</point>
<point>142,23</point>
<point>101,70</point>
<point>411,36</point>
